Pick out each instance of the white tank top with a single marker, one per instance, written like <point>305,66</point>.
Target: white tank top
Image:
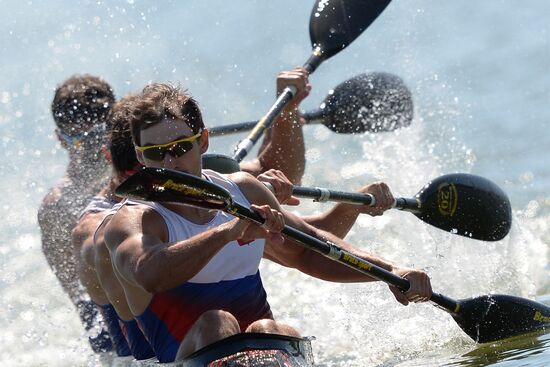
<point>233,261</point>
<point>97,204</point>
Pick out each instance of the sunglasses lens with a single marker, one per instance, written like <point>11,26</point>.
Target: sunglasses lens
<point>155,154</point>
<point>181,148</point>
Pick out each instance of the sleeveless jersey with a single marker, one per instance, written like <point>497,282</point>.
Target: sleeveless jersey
<point>97,204</point>
<point>117,336</point>
<point>230,281</point>
<point>140,347</point>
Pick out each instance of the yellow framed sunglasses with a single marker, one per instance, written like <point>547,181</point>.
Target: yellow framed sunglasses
<point>176,148</point>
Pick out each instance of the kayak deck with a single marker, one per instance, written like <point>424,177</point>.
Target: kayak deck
<point>244,350</point>
<point>267,357</point>
<point>253,349</point>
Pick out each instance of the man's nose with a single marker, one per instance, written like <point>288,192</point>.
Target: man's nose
<point>168,161</point>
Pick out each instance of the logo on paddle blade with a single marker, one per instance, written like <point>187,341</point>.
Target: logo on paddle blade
<point>447,199</point>
<point>185,189</point>
<point>540,317</point>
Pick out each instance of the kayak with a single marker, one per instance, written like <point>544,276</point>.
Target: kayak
<point>245,350</point>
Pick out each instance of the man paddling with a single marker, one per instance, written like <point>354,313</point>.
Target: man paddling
<point>95,270</point>
<point>191,275</point>
<point>80,108</point>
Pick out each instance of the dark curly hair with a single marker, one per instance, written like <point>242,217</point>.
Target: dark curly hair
<point>157,102</point>
<point>82,101</point>
<point>121,146</point>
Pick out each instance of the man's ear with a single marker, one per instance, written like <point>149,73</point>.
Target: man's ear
<point>106,153</point>
<point>204,141</point>
<point>139,157</point>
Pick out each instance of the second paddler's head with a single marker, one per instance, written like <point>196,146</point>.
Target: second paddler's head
<point>122,153</point>
<point>168,129</point>
<point>80,109</point>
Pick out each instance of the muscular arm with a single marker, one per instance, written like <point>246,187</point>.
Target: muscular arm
<point>338,220</point>
<point>107,277</point>
<point>291,254</point>
<point>283,149</point>
<point>283,146</point>
<point>83,245</point>
<point>137,239</point>
<point>55,224</point>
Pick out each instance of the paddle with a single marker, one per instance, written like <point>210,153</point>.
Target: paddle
<point>485,319</point>
<point>373,102</point>
<point>464,204</point>
<point>333,25</point>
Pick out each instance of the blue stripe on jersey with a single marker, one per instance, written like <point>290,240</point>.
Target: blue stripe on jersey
<point>171,314</point>
<point>140,347</point>
<point>111,320</point>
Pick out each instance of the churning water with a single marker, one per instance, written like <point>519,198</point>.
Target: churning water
<point>479,76</point>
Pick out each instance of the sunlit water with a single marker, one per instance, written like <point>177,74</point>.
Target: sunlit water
<point>479,76</point>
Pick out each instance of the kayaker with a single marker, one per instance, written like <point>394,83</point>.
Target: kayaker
<point>95,267</point>
<point>191,275</point>
<point>80,108</point>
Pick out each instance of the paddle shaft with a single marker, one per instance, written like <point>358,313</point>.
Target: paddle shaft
<point>313,117</point>
<point>323,195</point>
<point>246,145</point>
<point>344,257</point>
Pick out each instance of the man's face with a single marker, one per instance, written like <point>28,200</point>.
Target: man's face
<point>82,137</point>
<point>184,155</point>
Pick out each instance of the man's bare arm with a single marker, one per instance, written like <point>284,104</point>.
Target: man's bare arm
<point>291,254</point>
<point>56,244</point>
<point>283,147</point>
<point>83,247</point>
<point>137,241</point>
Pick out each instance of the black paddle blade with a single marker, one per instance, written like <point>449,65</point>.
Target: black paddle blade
<point>334,24</point>
<point>373,102</point>
<point>468,205</point>
<point>166,185</point>
<point>493,317</point>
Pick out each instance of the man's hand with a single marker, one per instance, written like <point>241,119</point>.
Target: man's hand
<point>297,77</point>
<point>281,185</point>
<point>270,230</point>
<point>420,290</point>
<point>382,194</point>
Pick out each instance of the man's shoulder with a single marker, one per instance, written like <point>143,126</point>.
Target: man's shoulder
<point>242,179</point>
<point>87,225</point>
<point>131,220</point>
<point>51,203</point>
<point>134,212</point>
<point>54,195</point>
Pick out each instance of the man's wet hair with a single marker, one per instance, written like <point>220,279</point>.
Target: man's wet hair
<point>81,102</point>
<point>159,101</point>
<point>121,146</point>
